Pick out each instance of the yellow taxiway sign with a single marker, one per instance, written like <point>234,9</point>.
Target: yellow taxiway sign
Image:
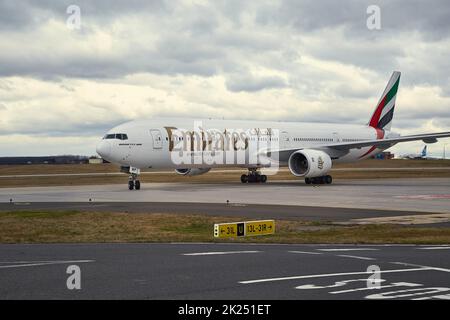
<point>243,229</point>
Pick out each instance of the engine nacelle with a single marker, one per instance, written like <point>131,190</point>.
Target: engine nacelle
<point>192,172</point>
<point>309,163</point>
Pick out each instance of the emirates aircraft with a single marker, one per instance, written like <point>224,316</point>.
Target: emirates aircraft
<point>192,147</point>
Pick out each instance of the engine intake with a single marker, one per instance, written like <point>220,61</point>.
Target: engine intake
<point>309,163</point>
<point>192,172</point>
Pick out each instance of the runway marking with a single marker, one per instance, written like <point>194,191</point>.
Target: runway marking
<point>355,257</point>
<point>217,253</point>
<point>434,248</point>
<point>331,275</point>
<point>395,284</point>
<point>418,265</point>
<point>43,261</point>
<point>408,293</point>
<point>424,196</point>
<point>442,297</point>
<point>348,249</point>
<point>214,171</point>
<point>21,264</point>
<point>335,285</point>
<point>305,252</point>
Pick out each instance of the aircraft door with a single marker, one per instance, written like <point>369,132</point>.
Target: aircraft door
<point>157,138</point>
<point>336,137</point>
<point>285,141</point>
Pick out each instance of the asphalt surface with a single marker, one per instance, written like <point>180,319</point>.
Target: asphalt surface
<point>224,271</point>
<point>415,195</point>
<point>239,211</point>
<point>90,174</point>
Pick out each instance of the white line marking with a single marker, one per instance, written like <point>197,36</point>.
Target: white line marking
<point>406,293</point>
<point>418,265</point>
<point>442,297</point>
<point>335,285</point>
<point>305,252</point>
<point>217,253</point>
<point>395,284</point>
<point>355,257</point>
<point>434,248</point>
<point>34,264</point>
<point>44,261</point>
<point>348,249</point>
<point>214,171</point>
<point>330,275</point>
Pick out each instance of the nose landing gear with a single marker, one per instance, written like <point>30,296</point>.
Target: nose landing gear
<point>133,182</point>
<point>253,176</point>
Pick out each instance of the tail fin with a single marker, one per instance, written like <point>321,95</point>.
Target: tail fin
<point>424,151</point>
<point>384,112</point>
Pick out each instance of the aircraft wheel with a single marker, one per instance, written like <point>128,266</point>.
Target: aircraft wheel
<point>263,178</point>
<point>130,185</point>
<point>308,181</point>
<point>328,179</point>
<point>244,178</point>
<point>137,185</point>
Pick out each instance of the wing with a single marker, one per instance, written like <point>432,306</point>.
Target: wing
<point>341,148</point>
<point>427,138</point>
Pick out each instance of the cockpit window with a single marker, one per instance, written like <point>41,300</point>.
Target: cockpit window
<point>110,136</point>
<point>120,136</point>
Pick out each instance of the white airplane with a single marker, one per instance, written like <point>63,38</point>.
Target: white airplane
<point>307,149</point>
<point>422,155</point>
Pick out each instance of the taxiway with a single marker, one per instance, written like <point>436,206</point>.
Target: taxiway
<point>430,195</point>
<point>224,271</point>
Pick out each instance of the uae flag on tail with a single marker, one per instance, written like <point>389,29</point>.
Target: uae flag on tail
<point>384,112</point>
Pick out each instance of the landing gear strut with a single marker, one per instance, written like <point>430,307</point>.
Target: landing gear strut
<point>253,176</point>
<point>319,180</point>
<point>133,182</point>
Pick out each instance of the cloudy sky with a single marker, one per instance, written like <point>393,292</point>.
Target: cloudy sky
<point>61,88</point>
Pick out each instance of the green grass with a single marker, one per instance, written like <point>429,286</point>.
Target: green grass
<point>25,214</point>
<point>84,227</point>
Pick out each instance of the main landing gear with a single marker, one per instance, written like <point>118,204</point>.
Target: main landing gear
<point>253,176</point>
<point>319,180</point>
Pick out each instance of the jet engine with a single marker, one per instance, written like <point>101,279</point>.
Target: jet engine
<point>192,172</point>
<point>309,163</point>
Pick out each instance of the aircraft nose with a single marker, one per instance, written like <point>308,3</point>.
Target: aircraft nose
<point>103,149</point>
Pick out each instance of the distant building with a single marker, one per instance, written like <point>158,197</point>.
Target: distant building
<point>66,159</point>
<point>95,160</point>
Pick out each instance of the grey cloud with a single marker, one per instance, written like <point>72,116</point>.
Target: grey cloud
<point>249,83</point>
<point>235,40</point>
<point>29,13</point>
<point>197,43</point>
<point>309,15</point>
